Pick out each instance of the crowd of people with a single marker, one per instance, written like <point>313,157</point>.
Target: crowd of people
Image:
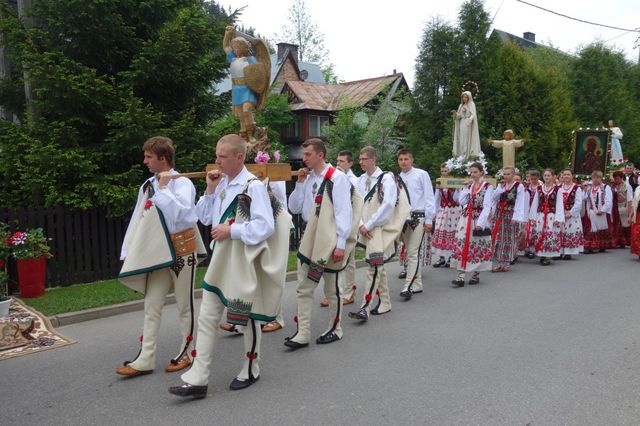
<point>473,229</point>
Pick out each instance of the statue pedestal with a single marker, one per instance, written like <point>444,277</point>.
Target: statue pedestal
<point>454,182</point>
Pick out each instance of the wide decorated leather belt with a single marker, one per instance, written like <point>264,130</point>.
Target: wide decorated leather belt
<point>415,219</point>
<point>240,81</point>
<point>184,242</point>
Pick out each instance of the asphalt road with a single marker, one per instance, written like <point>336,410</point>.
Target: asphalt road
<point>535,346</point>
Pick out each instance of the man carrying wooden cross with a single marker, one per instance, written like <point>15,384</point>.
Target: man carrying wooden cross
<point>331,207</point>
<point>248,264</point>
<point>160,251</point>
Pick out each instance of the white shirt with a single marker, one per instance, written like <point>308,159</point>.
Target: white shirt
<point>520,212</point>
<point>421,196</point>
<point>259,227</point>
<point>388,205</point>
<point>487,204</point>
<point>577,206</point>
<point>176,202</point>
<point>594,204</point>
<point>352,178</point>
<point>302,200</point>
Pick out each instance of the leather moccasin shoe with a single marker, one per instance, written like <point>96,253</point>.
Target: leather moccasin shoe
<point>181,364</point>
<point>187,390</point>
<point>327,338</point>
<point>238,384</point>
<point>291,344</point>
<point>271,327</point>
<point>131,372</point>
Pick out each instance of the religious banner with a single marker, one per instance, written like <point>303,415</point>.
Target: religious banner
<point>590,151</point>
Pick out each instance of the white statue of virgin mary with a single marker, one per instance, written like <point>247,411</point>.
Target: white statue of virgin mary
<point>466,136</point>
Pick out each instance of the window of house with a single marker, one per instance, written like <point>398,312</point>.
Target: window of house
<point>315,124</point>
<point>292,130</point>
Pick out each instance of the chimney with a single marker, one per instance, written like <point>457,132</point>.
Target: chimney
<point>282,48</point>
<point>529,36</point>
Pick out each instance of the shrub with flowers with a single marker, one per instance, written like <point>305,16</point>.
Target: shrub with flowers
<point>29,244</point>
<point>459,166</point>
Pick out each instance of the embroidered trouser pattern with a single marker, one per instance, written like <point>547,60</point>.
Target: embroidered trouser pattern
<point>211,311</point>
<point>306,289</point>
<point>159,283</point>
<point>413,242</point>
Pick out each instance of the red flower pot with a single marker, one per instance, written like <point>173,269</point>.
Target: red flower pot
<point>31,276</point>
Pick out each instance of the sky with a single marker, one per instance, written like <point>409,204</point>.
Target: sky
<point>368,39</point>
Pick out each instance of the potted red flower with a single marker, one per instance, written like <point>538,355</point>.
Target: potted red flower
<point>31,251</point>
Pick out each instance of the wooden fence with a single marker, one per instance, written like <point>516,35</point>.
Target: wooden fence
<point>85,243</point>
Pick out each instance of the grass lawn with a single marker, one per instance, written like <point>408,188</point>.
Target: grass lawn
<point>104,293</point>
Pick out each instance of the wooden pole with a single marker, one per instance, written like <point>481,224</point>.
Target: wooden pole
<point>259,174</point>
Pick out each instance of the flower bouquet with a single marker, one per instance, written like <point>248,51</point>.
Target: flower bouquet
<point>459,170</point>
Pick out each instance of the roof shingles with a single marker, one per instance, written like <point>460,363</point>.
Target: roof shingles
<point>332,97</point>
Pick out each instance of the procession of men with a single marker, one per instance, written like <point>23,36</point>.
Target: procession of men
<point>475,228</point>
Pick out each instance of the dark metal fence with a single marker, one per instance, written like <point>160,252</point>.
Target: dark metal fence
<point>85,243</point>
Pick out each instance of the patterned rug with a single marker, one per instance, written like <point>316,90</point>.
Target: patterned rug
<point>26,331</point>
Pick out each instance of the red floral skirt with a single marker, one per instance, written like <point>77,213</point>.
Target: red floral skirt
<point>595,240</point>
<point>635,237</point>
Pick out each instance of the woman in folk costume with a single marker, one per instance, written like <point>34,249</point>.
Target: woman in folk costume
<point>525,246</point>
<point>448,213</point>
<point>384,213</point>
<point>595,221</point>
<point>547,210</point>
<point>511,209</point>
<point>621,206</point>
<point>634,218</point>
<point>160,251</point>
<point>472,247</point>
<point>466,134</point>
<point>572,234</point>
<point>248,264</point>
<point>331,206</point>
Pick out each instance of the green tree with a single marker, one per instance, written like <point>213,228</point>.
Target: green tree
<point>302,31</point>
<point>432,95</point>
<point>604,85</point>
<point>516,91</point>
<point>106,76</point>
<point>346,132</point>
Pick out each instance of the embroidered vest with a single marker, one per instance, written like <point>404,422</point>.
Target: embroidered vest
<point>547,201</point>
<point>509,197</point>
<point>446,199</point>
<point>569,198</point>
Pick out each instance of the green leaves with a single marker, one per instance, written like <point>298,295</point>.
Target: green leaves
<point>106,75</point>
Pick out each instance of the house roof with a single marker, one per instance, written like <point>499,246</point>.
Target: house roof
<point>522,42</point>
<point>332,97</point>
<point>314,73</point>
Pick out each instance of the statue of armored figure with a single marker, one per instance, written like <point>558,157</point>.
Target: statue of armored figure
<point>250,77</point>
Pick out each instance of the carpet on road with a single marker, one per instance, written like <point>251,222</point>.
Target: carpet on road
<point>27,331</point>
